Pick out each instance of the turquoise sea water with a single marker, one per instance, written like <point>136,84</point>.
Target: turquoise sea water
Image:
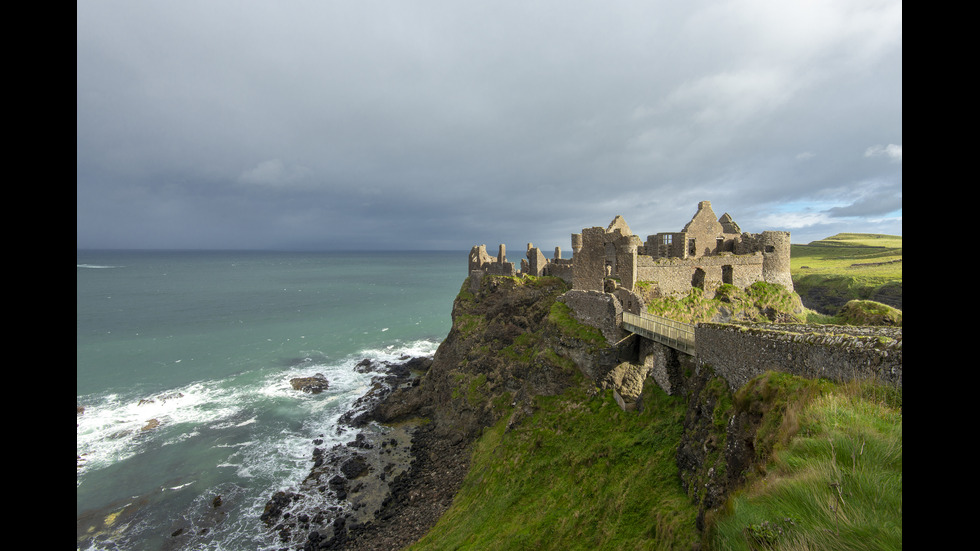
<point>201,346</point>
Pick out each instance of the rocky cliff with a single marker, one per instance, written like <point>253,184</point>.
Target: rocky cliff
<point>509,342</point>
<point>513,339</point>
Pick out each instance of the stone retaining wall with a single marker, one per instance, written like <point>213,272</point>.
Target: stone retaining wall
<point>840,353</point>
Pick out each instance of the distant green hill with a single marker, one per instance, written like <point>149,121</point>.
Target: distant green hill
<point>859,240</point>
<point>829,272</point>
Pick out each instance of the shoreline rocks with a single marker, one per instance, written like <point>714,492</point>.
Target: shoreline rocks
<point>354,487</point>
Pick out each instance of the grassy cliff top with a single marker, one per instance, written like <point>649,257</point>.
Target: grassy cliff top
<point>850,254</point>
<point>847,266</point>
<point>860,240</point>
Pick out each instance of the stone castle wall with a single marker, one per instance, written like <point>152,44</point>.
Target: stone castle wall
<point>708,252</point>
<point>677,275</point>
<point>590,260</point>
<point>740,352</point>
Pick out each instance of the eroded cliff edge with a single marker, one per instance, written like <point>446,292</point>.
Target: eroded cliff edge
<point>514,338</point>
<point>511,339</point>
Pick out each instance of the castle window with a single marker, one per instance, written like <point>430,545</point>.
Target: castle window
<point>697,280</point>
<point>727,274</point>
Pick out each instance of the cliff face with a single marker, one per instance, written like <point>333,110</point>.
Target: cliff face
<point>503,349</point>
<point>728,436</point>
<point>516,338</point>
<point>513,341</point>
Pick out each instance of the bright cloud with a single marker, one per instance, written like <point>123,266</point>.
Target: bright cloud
<point>892,151</point>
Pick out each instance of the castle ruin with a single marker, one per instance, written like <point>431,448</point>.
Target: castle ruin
<point>608,263</point>
<point>707,252</point>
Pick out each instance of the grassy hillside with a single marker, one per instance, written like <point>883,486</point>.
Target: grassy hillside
<point>580,473</point>
<point>837,484</point>
<point>574,471</point>
<point>848,266</point>
<point>577,474</point>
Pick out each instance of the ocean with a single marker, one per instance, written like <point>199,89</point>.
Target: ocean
<point>183,368</point>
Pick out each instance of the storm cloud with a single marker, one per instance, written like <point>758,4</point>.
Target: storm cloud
<point>442,125</point>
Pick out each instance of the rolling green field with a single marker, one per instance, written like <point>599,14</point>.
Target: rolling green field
<point>861,255</point>
<point>848,266</point>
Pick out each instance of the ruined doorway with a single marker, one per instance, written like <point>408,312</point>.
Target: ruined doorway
<point>697,280</point>
<point>727,274</point>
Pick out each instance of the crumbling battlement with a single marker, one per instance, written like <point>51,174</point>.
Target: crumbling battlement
<point>707,252</point>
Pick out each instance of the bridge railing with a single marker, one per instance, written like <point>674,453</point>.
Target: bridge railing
<point>675,334</point>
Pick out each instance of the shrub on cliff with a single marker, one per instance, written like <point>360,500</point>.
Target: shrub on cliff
<point>868,312</point>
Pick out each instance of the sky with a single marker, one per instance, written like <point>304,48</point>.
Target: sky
<point>440,125</point>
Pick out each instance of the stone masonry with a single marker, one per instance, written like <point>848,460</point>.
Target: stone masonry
<point>707,252</point>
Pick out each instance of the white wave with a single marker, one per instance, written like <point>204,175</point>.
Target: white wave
<point>278,424</point>
<point>95,266</point>
<point>236,444</point>
<point>114,428</point>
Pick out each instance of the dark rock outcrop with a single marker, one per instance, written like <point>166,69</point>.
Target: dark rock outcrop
<point>314,385</point>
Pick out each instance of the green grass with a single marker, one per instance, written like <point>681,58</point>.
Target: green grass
<point>753,303</point>
<point>579,473</point>
<point>847,266</point>
<point>836,485</point>
<point>868,312</point>
<point>561,316</point>
<point>861,240</point>
<point>850,255</point>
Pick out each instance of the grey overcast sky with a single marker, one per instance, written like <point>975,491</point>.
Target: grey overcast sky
<point>423,124</point>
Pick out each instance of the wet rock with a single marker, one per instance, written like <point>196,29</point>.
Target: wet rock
<point>276,505</point>
<point>364,366</point>
<point>317,457</point>
<point>337,483</point>
<point>360,441</point>
<point>314,385</point>
<point>354,467</point>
